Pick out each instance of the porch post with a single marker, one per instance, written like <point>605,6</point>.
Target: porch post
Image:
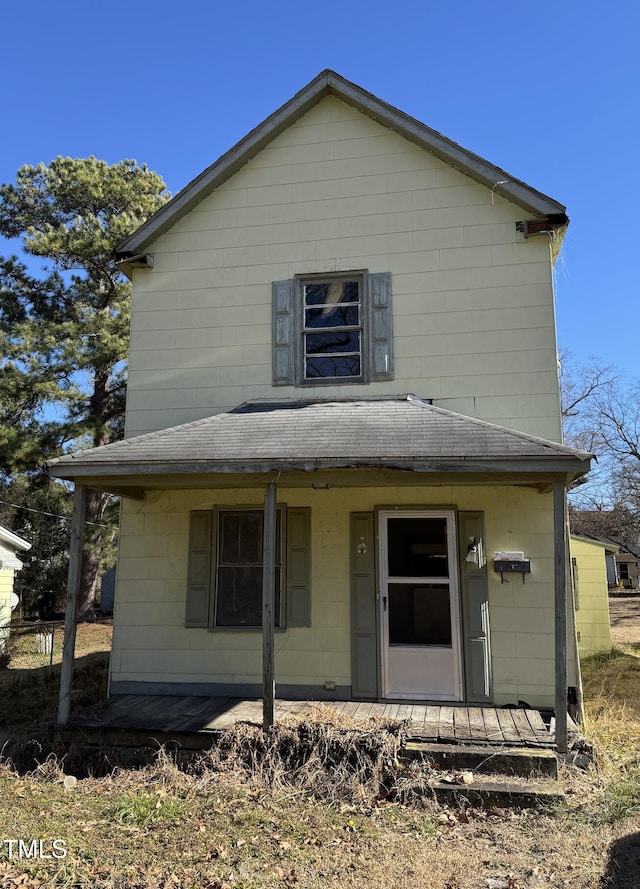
<point>268,604</point>
<point>71,613</point>
<point>561,701</point>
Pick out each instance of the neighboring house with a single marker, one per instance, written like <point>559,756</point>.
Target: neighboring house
<point>285,304</point>
<point>613,578</point>
<point>10,545</point>
<point>589,561</point>
<point>627,567</point>
<point>616,527</point>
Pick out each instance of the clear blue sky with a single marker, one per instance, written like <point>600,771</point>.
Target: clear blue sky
<point>549,92</point>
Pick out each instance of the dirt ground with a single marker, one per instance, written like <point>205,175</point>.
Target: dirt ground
<point>624,612</point>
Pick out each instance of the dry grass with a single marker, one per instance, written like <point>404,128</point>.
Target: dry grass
<point>91,638</point>
<point>624,611</point>
<point>319,804</point>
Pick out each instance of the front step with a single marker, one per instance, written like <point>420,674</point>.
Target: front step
<point>522,761</point>
<point>497,795</point>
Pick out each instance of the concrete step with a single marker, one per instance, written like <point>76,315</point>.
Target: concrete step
<point>522,761</point>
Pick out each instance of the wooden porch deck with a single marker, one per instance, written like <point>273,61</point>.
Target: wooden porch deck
<point>191,720</point>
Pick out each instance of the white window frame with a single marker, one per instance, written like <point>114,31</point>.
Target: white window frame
<point>361,328</point>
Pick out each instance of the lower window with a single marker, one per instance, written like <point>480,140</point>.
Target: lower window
<point>238,569</point>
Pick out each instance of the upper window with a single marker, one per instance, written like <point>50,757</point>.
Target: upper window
<point>332,328</point>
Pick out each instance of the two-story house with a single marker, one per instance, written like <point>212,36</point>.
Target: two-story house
<point>354,314</point>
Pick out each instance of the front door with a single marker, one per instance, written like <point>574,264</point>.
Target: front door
<point>419,605</point>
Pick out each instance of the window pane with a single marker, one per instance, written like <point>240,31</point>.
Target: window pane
<point>241,538</point>
<point>334,292</point>
<point>333,316</point>
<point>419,614</point>
<point>324,367</point>
<point>338,341</point>
<point>239,597</point>
<point>239,571</point>
<point>418,547</point>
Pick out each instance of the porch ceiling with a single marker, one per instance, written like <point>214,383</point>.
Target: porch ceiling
<point>342,442</point>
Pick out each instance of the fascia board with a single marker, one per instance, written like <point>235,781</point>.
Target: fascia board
<point>532,465</point>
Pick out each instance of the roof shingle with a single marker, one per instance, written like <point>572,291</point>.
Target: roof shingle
<point>391,432</point>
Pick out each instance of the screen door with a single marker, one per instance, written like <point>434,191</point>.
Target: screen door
<point>419,606</point>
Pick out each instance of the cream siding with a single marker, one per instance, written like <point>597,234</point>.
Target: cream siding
<point>151,643</point>
<point>592,599</point>
<point>472,299</point>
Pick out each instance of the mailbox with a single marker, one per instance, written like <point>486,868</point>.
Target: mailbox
<point>511,563</point>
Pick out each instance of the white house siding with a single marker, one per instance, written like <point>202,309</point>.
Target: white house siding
<point>472,299</point>
<point>151,644</point>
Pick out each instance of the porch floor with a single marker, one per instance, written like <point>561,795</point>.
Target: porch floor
<point>191,720</point>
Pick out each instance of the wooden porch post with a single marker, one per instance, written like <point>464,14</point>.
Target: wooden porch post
<point>559,529</point>
<point>268,604</point>
<point>71,613</point>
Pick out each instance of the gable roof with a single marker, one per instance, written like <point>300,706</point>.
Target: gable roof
<point>403,433</point>
<point>328,83</point>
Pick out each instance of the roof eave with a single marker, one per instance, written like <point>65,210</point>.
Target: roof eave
<point>570,466</point>
<point>13,540</point>
<point>330,83</point>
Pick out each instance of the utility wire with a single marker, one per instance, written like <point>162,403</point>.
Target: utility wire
<point>53,515</point>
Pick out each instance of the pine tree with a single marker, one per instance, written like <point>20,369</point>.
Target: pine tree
<point>64,332</point>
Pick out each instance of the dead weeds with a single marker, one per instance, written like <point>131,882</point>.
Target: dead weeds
<point>323,803</point>
<point>331,762</point>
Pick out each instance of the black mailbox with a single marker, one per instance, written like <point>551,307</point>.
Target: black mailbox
<point>512,566</point>
<point>515,567</point>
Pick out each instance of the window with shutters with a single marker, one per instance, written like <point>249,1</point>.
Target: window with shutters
<point>332,328</point>
<point>224,583</point>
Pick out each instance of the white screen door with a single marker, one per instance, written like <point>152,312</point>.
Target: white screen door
<point>419,605</point>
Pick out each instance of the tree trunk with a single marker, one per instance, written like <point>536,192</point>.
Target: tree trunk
<point>91,574</point>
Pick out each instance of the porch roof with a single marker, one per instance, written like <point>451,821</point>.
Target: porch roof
<point>403,433</point>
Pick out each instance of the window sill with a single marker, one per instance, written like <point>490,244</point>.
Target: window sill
<point>243,629</point>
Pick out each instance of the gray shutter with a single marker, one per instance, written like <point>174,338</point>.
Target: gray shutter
<point>283,333</point>
<point>199,569</point>
<point>298,568</point>
<point>364,657</point>
<point>474,589</point>
<point>380,327</point>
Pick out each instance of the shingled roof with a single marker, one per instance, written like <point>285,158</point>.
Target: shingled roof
<point>403,433</point>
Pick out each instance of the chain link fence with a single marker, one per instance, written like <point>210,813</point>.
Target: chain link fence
<point>35,644</point>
